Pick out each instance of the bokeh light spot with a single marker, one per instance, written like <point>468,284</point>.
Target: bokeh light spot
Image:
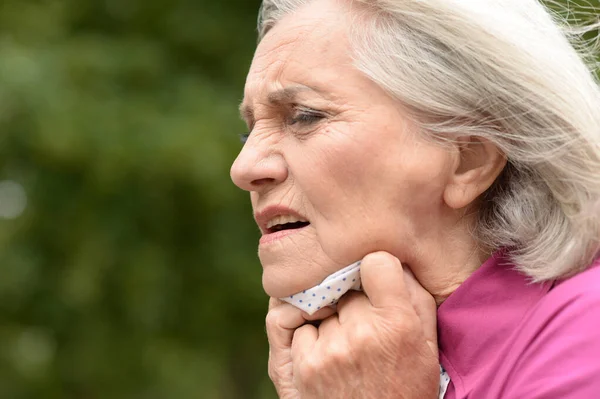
<point>13,199</point>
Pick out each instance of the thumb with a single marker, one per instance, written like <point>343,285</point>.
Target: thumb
<point>425,307</point>
<point>390,285</point>
<point>382,280</point>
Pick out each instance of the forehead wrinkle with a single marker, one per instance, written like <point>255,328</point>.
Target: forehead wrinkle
<point>275,52</point>
<point>285,95</point>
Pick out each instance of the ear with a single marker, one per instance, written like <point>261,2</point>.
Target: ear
<point>477,165</point>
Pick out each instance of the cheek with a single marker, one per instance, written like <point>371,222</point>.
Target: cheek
<point>337,179</point>
<point>412,183</point>
<point>345,169</point>
<point>319,171</point>
<point>371,193</point>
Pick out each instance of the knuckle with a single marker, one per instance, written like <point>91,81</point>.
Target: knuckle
<point>272,322</point>
<point>361,335</point>
<point>336,353</point>
<point>272,318</point>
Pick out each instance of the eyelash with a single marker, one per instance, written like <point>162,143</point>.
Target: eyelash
<point>306,117</point>
<point>302,117</point>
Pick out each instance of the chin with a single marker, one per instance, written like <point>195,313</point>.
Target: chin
<point>280,281</point>
<point>277,286</point>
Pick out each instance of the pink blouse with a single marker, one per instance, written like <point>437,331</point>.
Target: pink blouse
<point>501,336</point>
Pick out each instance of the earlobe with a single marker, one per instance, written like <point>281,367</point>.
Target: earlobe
<point>479,162</point>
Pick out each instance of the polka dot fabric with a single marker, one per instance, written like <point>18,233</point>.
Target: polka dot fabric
<point>331,290</point>
<point>444,382</point>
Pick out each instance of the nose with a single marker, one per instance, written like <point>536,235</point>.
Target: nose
<point>257,168</point>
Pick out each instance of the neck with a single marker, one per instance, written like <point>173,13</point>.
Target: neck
<point>441,287</point>
<point>443,262</point>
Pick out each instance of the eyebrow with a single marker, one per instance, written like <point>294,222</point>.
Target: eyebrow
<point>282,96</point>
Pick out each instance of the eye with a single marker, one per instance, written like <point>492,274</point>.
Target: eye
<point>305,117</point>
<point>244,137</point>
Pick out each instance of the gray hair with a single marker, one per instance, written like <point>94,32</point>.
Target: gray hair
<point>512,72</point>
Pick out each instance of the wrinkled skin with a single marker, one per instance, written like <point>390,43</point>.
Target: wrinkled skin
<point>336,149</point>
<point>379,344</point>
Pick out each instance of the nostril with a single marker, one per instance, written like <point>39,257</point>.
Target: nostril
<point>255,170</point>
<point>263,181</point>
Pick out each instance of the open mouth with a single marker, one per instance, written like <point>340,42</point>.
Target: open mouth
<point>281,223</point>
<point>287,226</point>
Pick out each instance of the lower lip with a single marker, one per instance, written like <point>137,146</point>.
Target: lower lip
<point>270,238</point>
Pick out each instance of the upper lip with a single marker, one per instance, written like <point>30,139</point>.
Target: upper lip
<point>264,216</point>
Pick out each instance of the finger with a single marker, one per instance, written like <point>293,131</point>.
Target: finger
<point>283,319</point>
<point>329,327</point>
<point>304,341</point>
<point>303,344</point>
<point>383,280</point>
<point>321,314</point>
<point>352,305</point>
<point>281,323</point>
<point>425,307</point>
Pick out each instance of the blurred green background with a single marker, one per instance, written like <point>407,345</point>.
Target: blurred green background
<point>127,257</point>
<point>132,270</point>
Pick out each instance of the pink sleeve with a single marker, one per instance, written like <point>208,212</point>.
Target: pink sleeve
<point>557,352</point>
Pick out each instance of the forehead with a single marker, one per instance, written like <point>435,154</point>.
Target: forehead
<point>308,47</point>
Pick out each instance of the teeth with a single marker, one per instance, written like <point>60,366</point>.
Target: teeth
<point>283,219</point>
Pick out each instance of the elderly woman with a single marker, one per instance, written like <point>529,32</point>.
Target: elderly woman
<point>454,147</point>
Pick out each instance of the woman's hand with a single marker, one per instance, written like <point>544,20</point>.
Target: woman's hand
<point>381,343</point>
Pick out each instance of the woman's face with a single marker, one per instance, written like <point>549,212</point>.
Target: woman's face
<point>332,150</point>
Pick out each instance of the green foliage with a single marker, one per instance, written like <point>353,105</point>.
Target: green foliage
<point>132,272</point>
